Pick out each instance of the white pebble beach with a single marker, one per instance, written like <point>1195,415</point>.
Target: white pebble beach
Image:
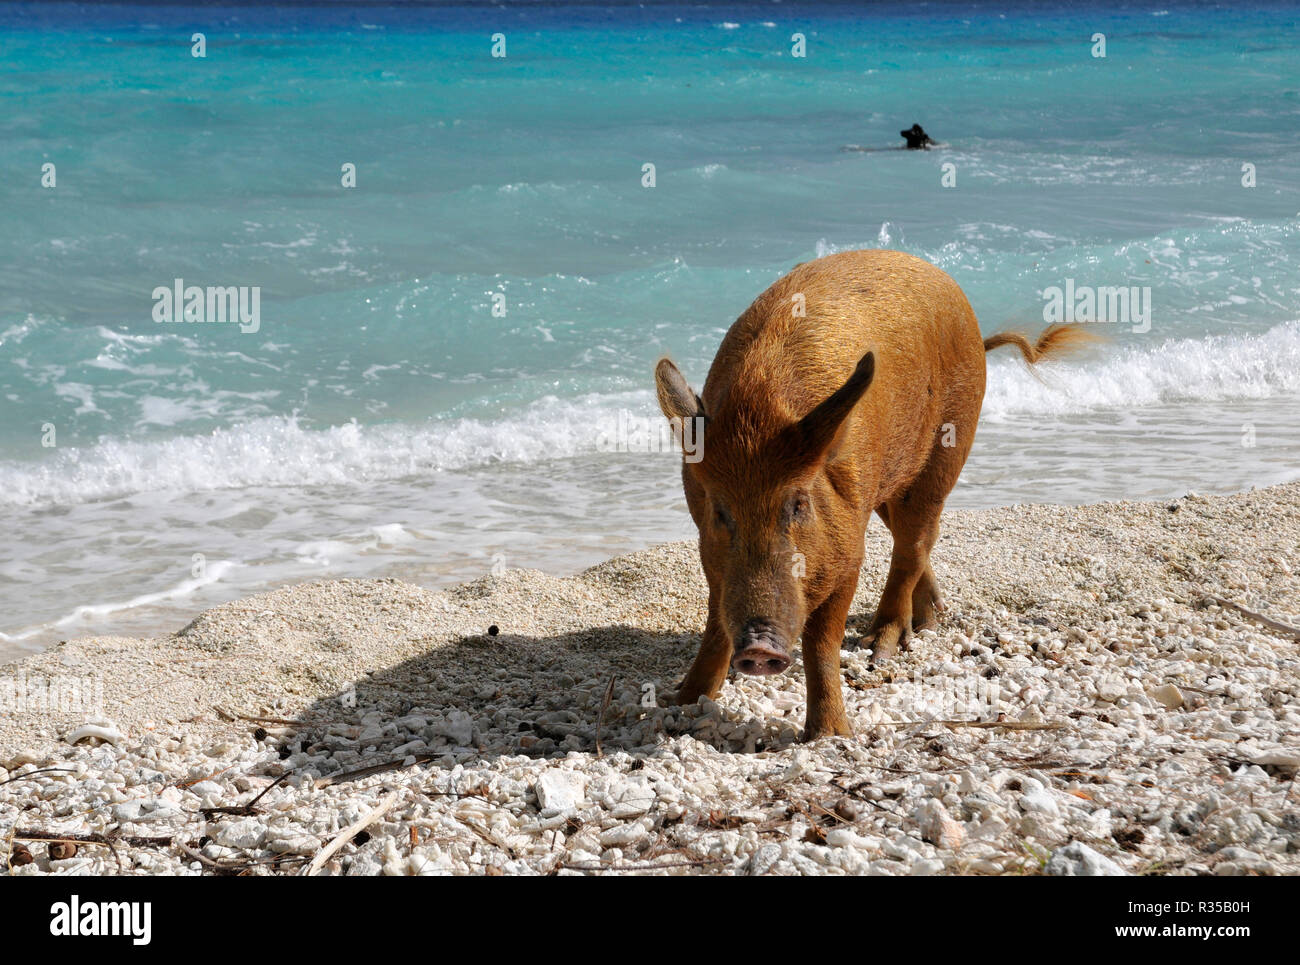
<point>1089,705</point>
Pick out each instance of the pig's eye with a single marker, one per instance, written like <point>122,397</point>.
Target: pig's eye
<point>722,517</point>
<point>798,508</point>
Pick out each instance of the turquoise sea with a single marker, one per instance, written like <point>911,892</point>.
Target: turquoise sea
<point>385,420</point>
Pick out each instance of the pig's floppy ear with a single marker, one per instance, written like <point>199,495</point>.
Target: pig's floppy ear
<point>675,397</point>
<point>817,430</point>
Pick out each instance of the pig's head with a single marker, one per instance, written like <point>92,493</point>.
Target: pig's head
<point>773,505</point>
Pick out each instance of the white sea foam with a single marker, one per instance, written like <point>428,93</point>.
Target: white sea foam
<point>279,451</point>
<point>1218,368</point>
<point>282,452</point>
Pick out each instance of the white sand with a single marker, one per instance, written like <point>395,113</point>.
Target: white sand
<point>1138,730</point>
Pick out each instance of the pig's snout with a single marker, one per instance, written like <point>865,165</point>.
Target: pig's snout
<point>759,651</point>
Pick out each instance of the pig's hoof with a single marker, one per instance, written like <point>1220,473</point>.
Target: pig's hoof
<point>888,639</point>
<point>883,650</point>
<point>689,695</point>
<point>925,616</point>
<point>925,621</point>
<point>826,729</point>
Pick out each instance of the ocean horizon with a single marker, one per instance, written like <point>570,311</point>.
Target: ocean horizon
<point>449,242</point>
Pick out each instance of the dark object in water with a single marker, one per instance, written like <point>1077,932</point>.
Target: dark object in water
<point>917,139</point>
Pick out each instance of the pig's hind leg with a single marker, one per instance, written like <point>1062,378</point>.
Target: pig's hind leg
<point>909,600</point>
<point>927,602</point>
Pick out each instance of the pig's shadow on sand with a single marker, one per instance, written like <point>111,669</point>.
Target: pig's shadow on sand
<point>533,696</point>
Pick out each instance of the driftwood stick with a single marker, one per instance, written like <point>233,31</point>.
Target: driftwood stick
<point>698,863</point>
<point>982,724</point>
<point>43,770</point>
<point>1279,626</point>
<point>203,859</point>
<point>267,788</point>
<point>227,715</point>
<point>1003,724</point>
<point>351,831</point>
<point>236,867</point>
<point>31,834</point>
<point>372,769</point>
<point>243,809</point>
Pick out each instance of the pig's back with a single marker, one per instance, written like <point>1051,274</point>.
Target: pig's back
<point>911,314</point>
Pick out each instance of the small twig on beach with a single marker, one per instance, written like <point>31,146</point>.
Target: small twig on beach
<point>269,787</point>
<point>604,705</point>
<point>91,837</point>
<point>1269,622</point>
<point>486,835</point>
<point>190,782</point>
<point>43,770</point>
<point>982,724</point>
<point>237,867</point>
<point>855,792</point>
<point>697,863</point>
<point>906,770</point>
<point>227,715</point>
<point>204,860</point>
<point>361,772</point>
<point>244,809</point>
<point>86,838</point>
<point>351,831</point>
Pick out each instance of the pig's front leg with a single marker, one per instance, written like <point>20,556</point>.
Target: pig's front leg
<point>823,635</point>
<point>709,671</point>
